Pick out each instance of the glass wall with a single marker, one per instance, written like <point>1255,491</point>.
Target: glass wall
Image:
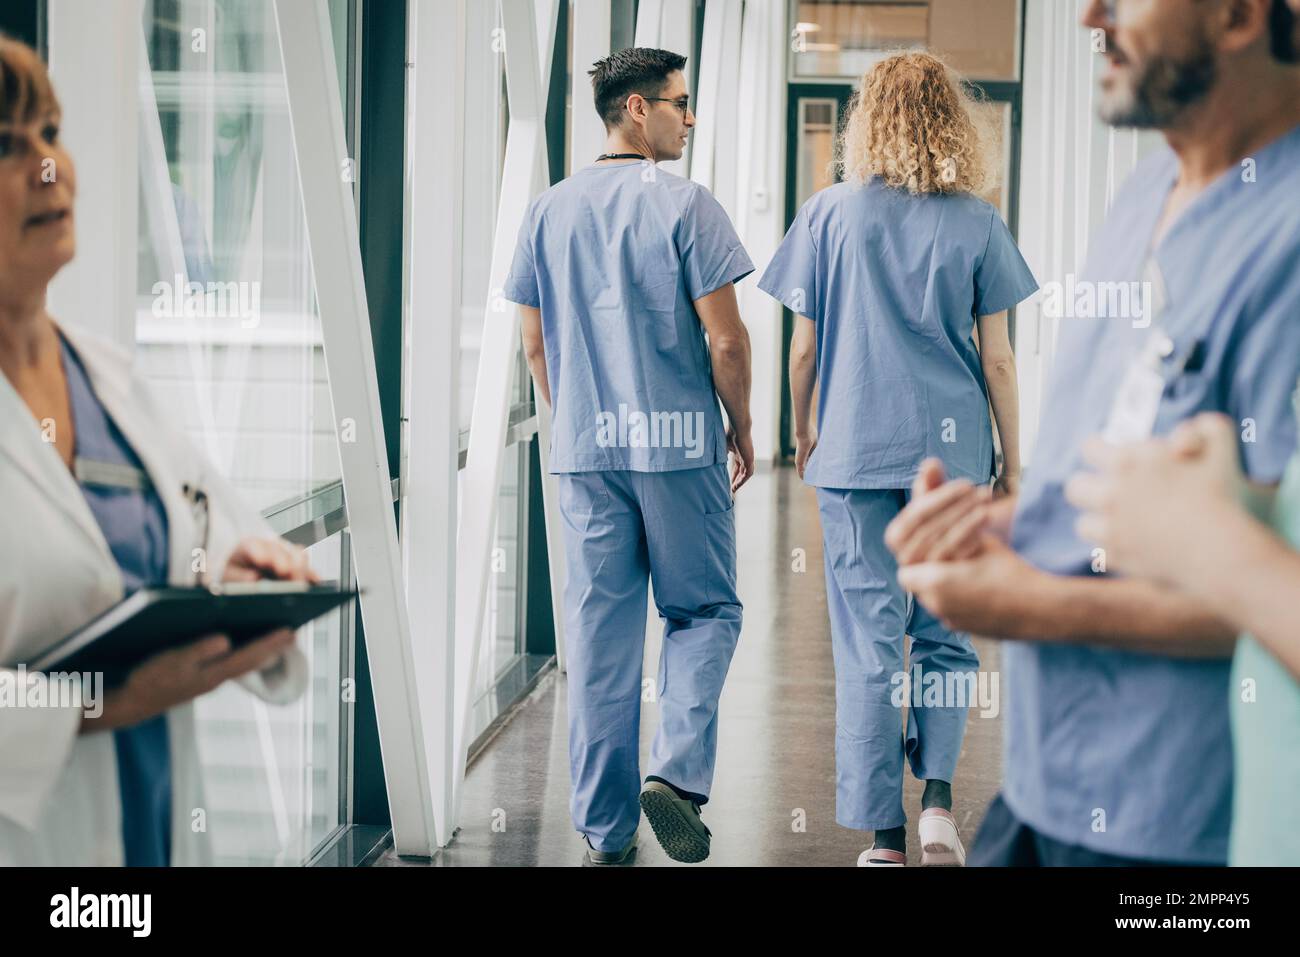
<point>228,333</point>
<point>227,327</point>
<point>273,777</point>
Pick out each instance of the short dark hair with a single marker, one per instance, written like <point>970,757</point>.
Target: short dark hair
<point>1282,32</point>
<point>635,70</point>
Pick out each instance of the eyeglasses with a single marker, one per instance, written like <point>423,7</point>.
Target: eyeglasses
<point>683,103</point>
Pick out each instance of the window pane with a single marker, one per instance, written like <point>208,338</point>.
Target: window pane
<point>487,120</point>
<point>503,639</point>
<point>227,326</point>
<point>815,146</point>
<point>271,774</point>
<point>846,38</point>
<point>228,332</point>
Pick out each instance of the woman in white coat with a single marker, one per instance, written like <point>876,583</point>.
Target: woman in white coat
<point>99,494</point>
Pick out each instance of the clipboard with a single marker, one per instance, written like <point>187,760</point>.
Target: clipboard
<point>154,620</point>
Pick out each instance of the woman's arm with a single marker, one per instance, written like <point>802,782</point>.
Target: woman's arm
<point>1254,583</point>
<point>999,365</point>
<point>803,378</point>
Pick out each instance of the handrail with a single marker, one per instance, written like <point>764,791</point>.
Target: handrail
<point>315,517</point>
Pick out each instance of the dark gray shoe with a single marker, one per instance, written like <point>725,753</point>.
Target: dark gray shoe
<point>597,858</point>
<point>676,822</point>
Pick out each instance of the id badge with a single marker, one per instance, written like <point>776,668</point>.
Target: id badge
<point>1133,414</point>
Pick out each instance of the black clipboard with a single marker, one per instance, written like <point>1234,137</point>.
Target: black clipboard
<point>153,620</point>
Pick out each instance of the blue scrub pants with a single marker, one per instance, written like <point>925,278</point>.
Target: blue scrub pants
<point>676,529</point>
<point>870,614</point>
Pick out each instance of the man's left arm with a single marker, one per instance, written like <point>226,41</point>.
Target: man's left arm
<point>999,594</point>
<point>535,350</point>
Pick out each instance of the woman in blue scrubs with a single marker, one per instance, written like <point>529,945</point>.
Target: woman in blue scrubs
<point>900,279</point>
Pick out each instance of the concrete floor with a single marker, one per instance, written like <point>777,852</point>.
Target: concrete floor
<point>776,762</point>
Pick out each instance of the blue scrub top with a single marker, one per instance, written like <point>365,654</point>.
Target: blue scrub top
<point>614,257</point>
<point>894,282</point>
<point>135,526</point>
<point>1139,744</point>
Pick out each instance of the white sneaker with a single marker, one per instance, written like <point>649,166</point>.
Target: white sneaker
<point>940,843</point>
<point>881,857</point>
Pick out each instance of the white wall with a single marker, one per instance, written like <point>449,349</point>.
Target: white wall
<point>1071,166</point>
<point>760,202</point>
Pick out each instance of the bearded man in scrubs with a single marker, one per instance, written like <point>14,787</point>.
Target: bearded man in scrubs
<point>1117,742</point>
<point>620,271</point>
<point>1135,506</point>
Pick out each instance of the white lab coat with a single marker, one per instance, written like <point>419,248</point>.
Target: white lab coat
<point>59,798</point>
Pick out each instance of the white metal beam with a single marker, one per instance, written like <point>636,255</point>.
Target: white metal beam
<point>649,20</point>
<point>706,93</point>
<point>316,118</point>
<point>431,372</point>
<point>525,162</point>
<point>591,29</point>
<point>760,205</point>
<point>714,152</point>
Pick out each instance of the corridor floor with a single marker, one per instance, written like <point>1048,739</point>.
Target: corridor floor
<point>773,801</point>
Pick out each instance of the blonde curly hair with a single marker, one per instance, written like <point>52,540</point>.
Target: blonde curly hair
<point>914,124</point>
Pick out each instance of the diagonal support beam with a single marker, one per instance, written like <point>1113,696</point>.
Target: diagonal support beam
<point>431,370</point>
<point>316,117</point>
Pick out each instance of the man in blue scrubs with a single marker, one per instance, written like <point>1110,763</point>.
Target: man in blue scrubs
<point>1117,739</point>
<point>620,271</point>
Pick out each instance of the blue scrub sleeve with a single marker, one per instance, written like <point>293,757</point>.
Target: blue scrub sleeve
<point>521,284</point>
<point>1264,369</point>
<point>791,276</point>
<point>711,252</point>
<point>1002,278</point>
